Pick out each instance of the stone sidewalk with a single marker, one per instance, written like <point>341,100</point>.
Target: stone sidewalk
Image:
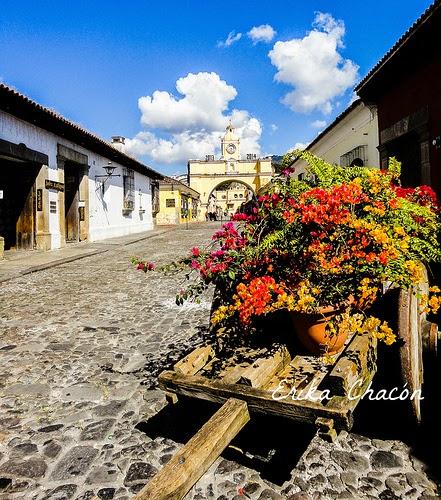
<point>25,262</point>
<point>81,416</point>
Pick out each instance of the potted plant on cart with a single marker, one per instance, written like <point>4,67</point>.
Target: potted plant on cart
<point>320,248</point>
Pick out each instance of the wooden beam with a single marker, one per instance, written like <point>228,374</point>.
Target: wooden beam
<point>300,373</point>
<point>194,361</point>
<point>261,371</point>
<point>258,400</point>
<point>357,363</point>
<point>177,477</point>
<point>325,428</point>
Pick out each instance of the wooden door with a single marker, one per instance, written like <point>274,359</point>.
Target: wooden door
<point>406,149</point>
<point>17,208</point>
<point>71,187</point>
<point>26,221</point>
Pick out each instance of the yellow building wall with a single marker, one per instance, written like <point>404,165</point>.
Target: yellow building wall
<point>205,176</point>
<point>173,215</point>
<point>168,215</point>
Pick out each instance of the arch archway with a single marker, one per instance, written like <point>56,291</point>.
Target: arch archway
<point>227,196</point>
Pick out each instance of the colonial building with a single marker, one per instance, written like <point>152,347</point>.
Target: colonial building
<point>405,87</point>
<point>60,183</point>
<point>178,203</point>
<point>351,139</point>
<point>217,180</point>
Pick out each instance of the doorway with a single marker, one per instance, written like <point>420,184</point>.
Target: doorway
<point>17,203</point>
<point>71,196</point>
<point>407,150</point>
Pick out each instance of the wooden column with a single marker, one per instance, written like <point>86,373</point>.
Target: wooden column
<point>42,232</point>
<point>60,202</point>
<point>84,203</point>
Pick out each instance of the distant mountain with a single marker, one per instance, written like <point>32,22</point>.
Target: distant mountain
<point>277,163</point>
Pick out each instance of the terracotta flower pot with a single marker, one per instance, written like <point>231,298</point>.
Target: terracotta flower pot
<point>311,331</point>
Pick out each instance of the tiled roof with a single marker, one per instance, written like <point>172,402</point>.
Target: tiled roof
<point>21,106</point>
<point>179,184</point>
<point>400,43</point>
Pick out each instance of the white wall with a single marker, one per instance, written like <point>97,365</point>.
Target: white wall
<point>358,128</point>
<point>106,218</point>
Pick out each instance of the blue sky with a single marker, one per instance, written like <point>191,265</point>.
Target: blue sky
<point>93,60</point>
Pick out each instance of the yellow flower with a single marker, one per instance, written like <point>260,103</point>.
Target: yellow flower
<point>415,271</point>
<point>434,303</point>
<point>398,230</point>
<point>221,313</point>
<point>380,236</point>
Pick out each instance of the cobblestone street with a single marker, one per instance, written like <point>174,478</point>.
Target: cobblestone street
<point>81,417</point>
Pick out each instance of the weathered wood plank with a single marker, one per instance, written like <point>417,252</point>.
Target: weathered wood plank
<point>356,364</point>
<point>263,369</point>
<point>244,361</point>
<point>258,400</point>
<point>232,373</point>
<point>297,374</point>
<point>194,361</point>
<point>176,478</point>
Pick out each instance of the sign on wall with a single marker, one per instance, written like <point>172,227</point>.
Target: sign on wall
<point>58,186</point>
<point>39,200</point>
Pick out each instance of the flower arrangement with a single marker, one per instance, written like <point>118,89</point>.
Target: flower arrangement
<point>332,239</point>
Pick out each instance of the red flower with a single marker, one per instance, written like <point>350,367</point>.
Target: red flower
<point>195,252</point>
<point>195,264</point>
<point>383,257</point>
<point>140,266</point>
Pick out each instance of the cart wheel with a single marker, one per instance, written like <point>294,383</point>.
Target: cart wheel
<point>411,322</point>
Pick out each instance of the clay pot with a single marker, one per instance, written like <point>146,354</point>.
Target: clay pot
<point>311,331</point>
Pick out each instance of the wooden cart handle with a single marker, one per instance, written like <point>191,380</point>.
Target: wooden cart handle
<point>191,462</point>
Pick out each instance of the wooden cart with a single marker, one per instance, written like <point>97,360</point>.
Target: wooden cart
<point>280,380</point>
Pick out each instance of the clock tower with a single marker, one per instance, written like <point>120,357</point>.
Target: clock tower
<point>230,143</point>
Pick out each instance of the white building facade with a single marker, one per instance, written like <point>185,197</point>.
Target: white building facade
<point>54,188</point>
<point>351,139</point>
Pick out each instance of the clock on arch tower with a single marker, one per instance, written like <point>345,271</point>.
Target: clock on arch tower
<point>230,145</point>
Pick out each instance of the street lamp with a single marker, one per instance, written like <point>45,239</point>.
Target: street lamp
<point>109,168</point>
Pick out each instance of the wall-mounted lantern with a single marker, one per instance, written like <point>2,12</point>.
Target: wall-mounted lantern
<point>109,168</point>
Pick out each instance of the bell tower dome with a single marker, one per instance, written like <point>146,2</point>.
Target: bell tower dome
<point>230,144</point>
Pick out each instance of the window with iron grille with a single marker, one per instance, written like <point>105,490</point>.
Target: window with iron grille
<point>357,156</point>
<point>129,189</point>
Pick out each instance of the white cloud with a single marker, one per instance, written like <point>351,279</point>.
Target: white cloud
<point>262,33</point>
<point>190,126</point>
<point>353,98</point>
<point>318,123</point>
<point>206,97</point>
<point>232,37</point>
<point>314,66</point>
<point>299,145</point>
<point>274,127</point>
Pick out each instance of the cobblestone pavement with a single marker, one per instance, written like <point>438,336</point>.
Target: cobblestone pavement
<point>81,417</point>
